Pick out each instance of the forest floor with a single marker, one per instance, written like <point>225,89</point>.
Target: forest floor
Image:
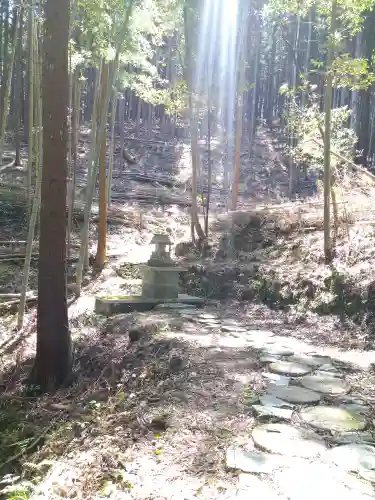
<point>252,395</point>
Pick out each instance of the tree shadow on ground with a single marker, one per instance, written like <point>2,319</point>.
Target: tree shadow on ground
<point>128,387</point>
<point>150,394</point>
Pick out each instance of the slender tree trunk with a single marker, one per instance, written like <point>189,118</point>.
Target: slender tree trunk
<point>364,98</point>
<point>327,138</point>
<point>5,8</point>
<point>75,130</point>
<point>30,119</point>
<point>138,118</point>
<point>7,90</point>
<point>34,198</point>
<point>270,89</point>
<point>195,224</point>
<point>53,361</point>
<point>101,253</point>
<point>237,169</point>
<point>95,148</point>
<point>112,147</point>
<point>120,121</point>
<point>2,27</point>
<point>253,115</point>
<point>209,160</point>
<point>18,90</point>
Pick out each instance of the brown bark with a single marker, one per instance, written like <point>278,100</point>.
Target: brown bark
<point>54,354</point>
<point>101,253</point>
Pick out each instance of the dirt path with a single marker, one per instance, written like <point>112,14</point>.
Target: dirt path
<point>190,392</point>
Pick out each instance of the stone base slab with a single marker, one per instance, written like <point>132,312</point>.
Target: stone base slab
<point>109,306</point>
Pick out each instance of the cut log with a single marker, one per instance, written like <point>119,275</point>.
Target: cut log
<point>129,158</point>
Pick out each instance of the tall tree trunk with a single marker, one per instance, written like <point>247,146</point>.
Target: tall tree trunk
<point>34,198</point>
<point>138,118</point>
<point>18,90</point>
<point>237,168</point>
<point>239,116</point>
<point>53,361</point>
<point>101,253</point>
<point>364,97</point>
<point>30,120</point>
<point>253,113</point>
<point>307,55</point>
<point>4,55</point>
<point>112,146</point>
<point>327,138</point>
<point>7,90</point>
<point>195,224</point>
<point>120,121</point>
<point>76,109</point>
<point>94,153</point>
<point>209,161</point>
<point>270,87</point>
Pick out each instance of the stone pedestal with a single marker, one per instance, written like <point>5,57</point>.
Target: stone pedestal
<point>119,305</point>
<point>160,282</point>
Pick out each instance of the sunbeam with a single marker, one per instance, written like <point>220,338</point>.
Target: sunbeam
<point>217,47</point>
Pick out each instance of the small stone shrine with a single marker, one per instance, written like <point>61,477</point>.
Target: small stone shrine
<point>160,284</point>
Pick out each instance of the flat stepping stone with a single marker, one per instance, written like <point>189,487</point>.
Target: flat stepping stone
<point>270,400</point>
<point>277,351</point>
<point>259,489</point>
<point>231,322</point>
<point>262,345</point>
<point>235,329</point>
<point>356,408</point>
<point>321,481</point>
<point>272,411</point>
<point>287,440</point>
<point>328,367</point>
<point>295,394</point>
<point>364,437</point>
<point>358,458</point>
<point>187,316</point>
<point>334,419</point>
<point>251,461</point>
<point>261,333</point>
<point>288,368</point>
<point>322,373</point>
<point>326,385</point>
<point>209,316</point>
<point>276,379</point>
<point>269,359</point>
<point>302,359</point>
<point>209,322</point>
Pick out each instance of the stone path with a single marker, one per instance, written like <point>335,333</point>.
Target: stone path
<point>313,438</point>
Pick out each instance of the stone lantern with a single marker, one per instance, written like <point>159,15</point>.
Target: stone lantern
<point>160,284</point>
<point>161,275</point>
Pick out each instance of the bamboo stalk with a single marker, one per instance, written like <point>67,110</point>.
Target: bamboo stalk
<point>112,147</point>
<point>93,163</point>
<point>8,88</point>
<point>30,37</point>
<point>34,212</point>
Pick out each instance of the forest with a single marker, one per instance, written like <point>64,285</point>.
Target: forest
<point>187,267</point>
